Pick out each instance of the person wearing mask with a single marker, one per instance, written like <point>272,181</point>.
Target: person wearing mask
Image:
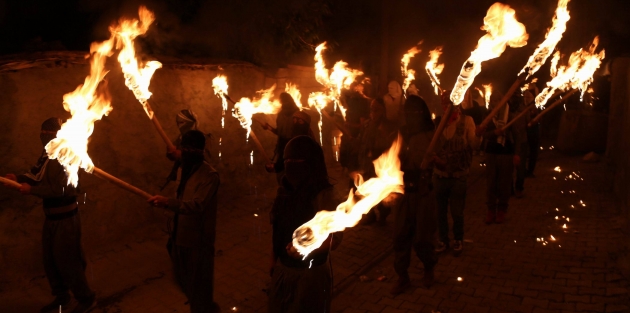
<point>450,175</point>
<point>416,218</point>
<point>284,124</point>
<point>394,100</point>
<point>194,230</point>
<point>64,260</point>
<point>301,284</point>
<point>502,154</point>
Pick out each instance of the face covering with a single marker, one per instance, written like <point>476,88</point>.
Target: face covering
<point>46,137</point>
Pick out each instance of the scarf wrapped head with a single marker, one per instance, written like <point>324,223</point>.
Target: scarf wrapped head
<point>186,120</point>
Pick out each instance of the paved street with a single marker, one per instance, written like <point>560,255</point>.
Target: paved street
<point>514,267</point>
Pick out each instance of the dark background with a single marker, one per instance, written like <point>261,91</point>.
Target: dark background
<point>276,33</point>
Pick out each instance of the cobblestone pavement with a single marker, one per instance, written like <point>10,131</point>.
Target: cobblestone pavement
<point>514,267</point>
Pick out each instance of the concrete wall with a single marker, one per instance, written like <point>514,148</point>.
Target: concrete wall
<point>126,145</point>
<point>618,147</point>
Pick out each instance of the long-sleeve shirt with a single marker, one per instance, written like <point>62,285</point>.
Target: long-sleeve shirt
<point>52,186</point>
<point>196,208</point>
<point>472,140</point>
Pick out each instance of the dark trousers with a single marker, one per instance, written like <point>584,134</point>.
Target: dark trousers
<point>300,290</point>
<point>194,271</point>
<point>453,191</point>
<point>64,261</point>
<point>415,227</point>
<point>521,169</point>
<point>533,141</point>
<point>499,169</point>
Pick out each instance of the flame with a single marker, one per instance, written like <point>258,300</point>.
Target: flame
<point>389,179</point>
<point>87,104</point>
<point>319,100</point>
<point>503,30</point>
<point>220,87</point>
<point>553,36</point>
<point>265,103</point>
<point>488,92</point>
<point>433,69</point>
<point>340,78</point>
<point>408,74</point>
<point>292,89</point>
<point>577,74</point>
<point>137,76</point>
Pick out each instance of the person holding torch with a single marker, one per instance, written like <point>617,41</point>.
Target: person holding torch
<point>64,260</point>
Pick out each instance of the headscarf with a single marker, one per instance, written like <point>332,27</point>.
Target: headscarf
<point>186,120</point>
<point>417,115</point>
<point>288,104</point>
<point>311,171</point>
<point>49,129</point>
<point>193,144</point>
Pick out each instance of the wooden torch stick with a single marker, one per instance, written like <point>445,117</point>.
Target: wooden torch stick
<point>524,112</point>
<point>252,134</point>
<point>436,136</point>
<point>10,182</point>
<point>553,105</point>
<point>504,100</point>
<point>120,183</point>
<point>159,128</point>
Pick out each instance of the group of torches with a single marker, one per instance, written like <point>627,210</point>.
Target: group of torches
<point>91,101</point>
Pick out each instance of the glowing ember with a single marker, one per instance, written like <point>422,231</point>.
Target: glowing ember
<point>408,74</point>
<point>313,233</point>
<point>503,30</point>
<point>552,238</point>
<point>577,74</point>
<point>87,104</point>
<point>265,103</point>
<point>557,169</point>
<point>459,279</point>
<point>220,87</point>
<point>137,76</point>
<point>293,90</point>
<point>553,36</point>
<point>433,69</point>
<point>340,78</point>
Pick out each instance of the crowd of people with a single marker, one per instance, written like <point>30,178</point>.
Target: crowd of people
<point>435,182</point>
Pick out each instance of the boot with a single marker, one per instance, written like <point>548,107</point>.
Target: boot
<point>490,217</point>
<point>61,300</point>
<point>401,285</point>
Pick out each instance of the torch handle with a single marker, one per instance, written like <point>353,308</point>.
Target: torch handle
<point>10,182</point>
<point>504,100</point>
<point>229,99</point>
<point>159,128</point>
<point>553,105</point>
<point>252,134</point>
<point>436,136</point>
<point>529,107</point>
<point>120,183</point>
<point>341,127</point>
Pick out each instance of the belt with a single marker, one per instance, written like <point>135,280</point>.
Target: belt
<point>60,210</point>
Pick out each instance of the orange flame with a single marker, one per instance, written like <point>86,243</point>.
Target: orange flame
<point>408,74</point>
<point>389,179</point>
<point>319,100</point>
<point>340,78</point>
<point>137,77</point>
<point>553,36</point>
<point>294,91</point>
<point>87,104</point>
<point>220,87</point>
<point>577,74</point>
<point>488,92</point>
<point>503,30</point>
<point>265,103</point>
<point>433,69</point>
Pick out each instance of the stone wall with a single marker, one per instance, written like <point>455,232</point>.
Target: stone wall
<point>126,145</point>
<point>618,147</point>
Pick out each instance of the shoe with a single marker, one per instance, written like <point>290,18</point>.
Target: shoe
<point>490,217</point>
<point>428,278</point>
<point>500,217</point>
<point>400,286</point>
<point>54,306</point>
<point>84,306</point>
<point>458,247</point>
<point>518,194</point>
<point>440,247</point>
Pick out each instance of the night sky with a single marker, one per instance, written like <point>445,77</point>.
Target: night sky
<point>281,32</point>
